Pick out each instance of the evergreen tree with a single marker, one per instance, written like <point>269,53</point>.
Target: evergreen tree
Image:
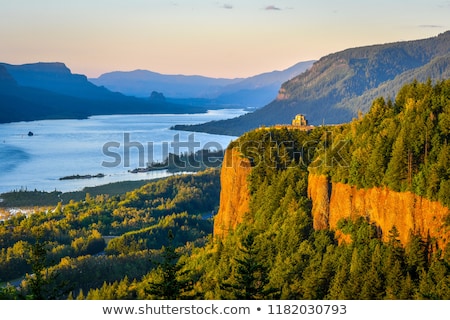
<point>80,295</point>
<point>408,289</point>
<point>337,287</point>
<point>167,283</point>
<point>394,281</point>
<point>397,170</point>
<point>37,281</point>
<point>395,250</point>
<point>251,276</point>
<point>416,256</point>
<point>372,287</point>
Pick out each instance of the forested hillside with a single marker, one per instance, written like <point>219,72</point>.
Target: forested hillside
<point>160,233</point>
<point>282,255</point>
<point>341,84</point>
<point>400,144</point>
<point>83,244</point>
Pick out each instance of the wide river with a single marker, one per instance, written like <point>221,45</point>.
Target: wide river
<point>111,145</point>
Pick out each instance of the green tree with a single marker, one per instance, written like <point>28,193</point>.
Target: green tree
<point>251,275</point>
<point>397,170</point>
<point>416,256</point>
<point>394,281</point>
<point>37,281</point>
<point>337,288</point>
<point>168,281</point>
<point>9,293</point>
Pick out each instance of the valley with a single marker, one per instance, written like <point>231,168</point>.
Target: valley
<point>337,189</point>
<point>292,201</point>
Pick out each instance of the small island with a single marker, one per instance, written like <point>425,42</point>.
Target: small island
<point>87,176</point>
<point>194,162</point>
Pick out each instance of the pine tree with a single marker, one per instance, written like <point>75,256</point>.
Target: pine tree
<point>408,289</point>
<point>167,283</point>
<point>372,287</point>
<point>251,276</point>
<point>395,250</point>
<point>123,289</point>
<point>394,281</point>
<point>426,287</point>
<point>80,295</point>
<point>416,256</point>
<point>398,168</point>
<point>37,281</point>
<point>337,286</point>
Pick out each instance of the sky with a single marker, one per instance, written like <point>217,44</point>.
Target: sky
<point>222,39</point>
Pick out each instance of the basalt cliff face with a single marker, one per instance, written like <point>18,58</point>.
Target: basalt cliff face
<point>234,194</point>
<point>384,207</point>
<point>333,201</point>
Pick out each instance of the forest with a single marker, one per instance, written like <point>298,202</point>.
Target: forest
<point>156,241</point>
<point>401,144</point>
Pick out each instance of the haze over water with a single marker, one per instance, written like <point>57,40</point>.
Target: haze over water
<point>61,148</point>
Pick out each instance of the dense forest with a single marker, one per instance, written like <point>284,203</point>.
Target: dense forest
<point>155,243</point>
<point>401,144</point>
<point>105,238</point>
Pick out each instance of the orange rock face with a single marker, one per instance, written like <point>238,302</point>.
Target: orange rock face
<point>386,208</point>
<point>234,194</point>
<point>333,201</point>
<point>282,95</point>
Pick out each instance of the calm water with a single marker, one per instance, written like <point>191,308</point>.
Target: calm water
<point>110,145</point>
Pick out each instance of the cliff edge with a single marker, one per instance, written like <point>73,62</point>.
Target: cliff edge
<point>331,202</point>
<point>386,208</point>
<point>234,193</point>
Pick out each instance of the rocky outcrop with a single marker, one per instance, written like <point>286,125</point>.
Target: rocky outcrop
<point>282,95</point>
<point>234,193</point>
<point>333,201</point>
<point>384,207</point>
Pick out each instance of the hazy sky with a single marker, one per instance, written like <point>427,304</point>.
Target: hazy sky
<point>214,38</point>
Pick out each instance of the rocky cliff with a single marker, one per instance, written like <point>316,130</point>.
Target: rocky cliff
<point>333,201</point>
<point>234,194</point>
<point>386,208</point>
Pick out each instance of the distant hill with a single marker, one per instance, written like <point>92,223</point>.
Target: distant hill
<point>339,85</point>
<point>254,91</point>
<point>50,91</point>
<point>259,90</point>
<point>141,83</point>
<point>56,77</point>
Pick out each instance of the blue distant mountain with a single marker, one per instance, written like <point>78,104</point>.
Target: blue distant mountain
<point>254,91</point>
<point>51,91</point>
<point>141,83</point>
<point>56,77</point>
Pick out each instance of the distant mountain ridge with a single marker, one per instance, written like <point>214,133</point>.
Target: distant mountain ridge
<point>339,85</point>
<point>254,91</point>
<point>51,91</point>
<point>57,77</point>
<point>259,90</point>
<point>141,83</point>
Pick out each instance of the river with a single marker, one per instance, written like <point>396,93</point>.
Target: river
<point>36,154</point>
